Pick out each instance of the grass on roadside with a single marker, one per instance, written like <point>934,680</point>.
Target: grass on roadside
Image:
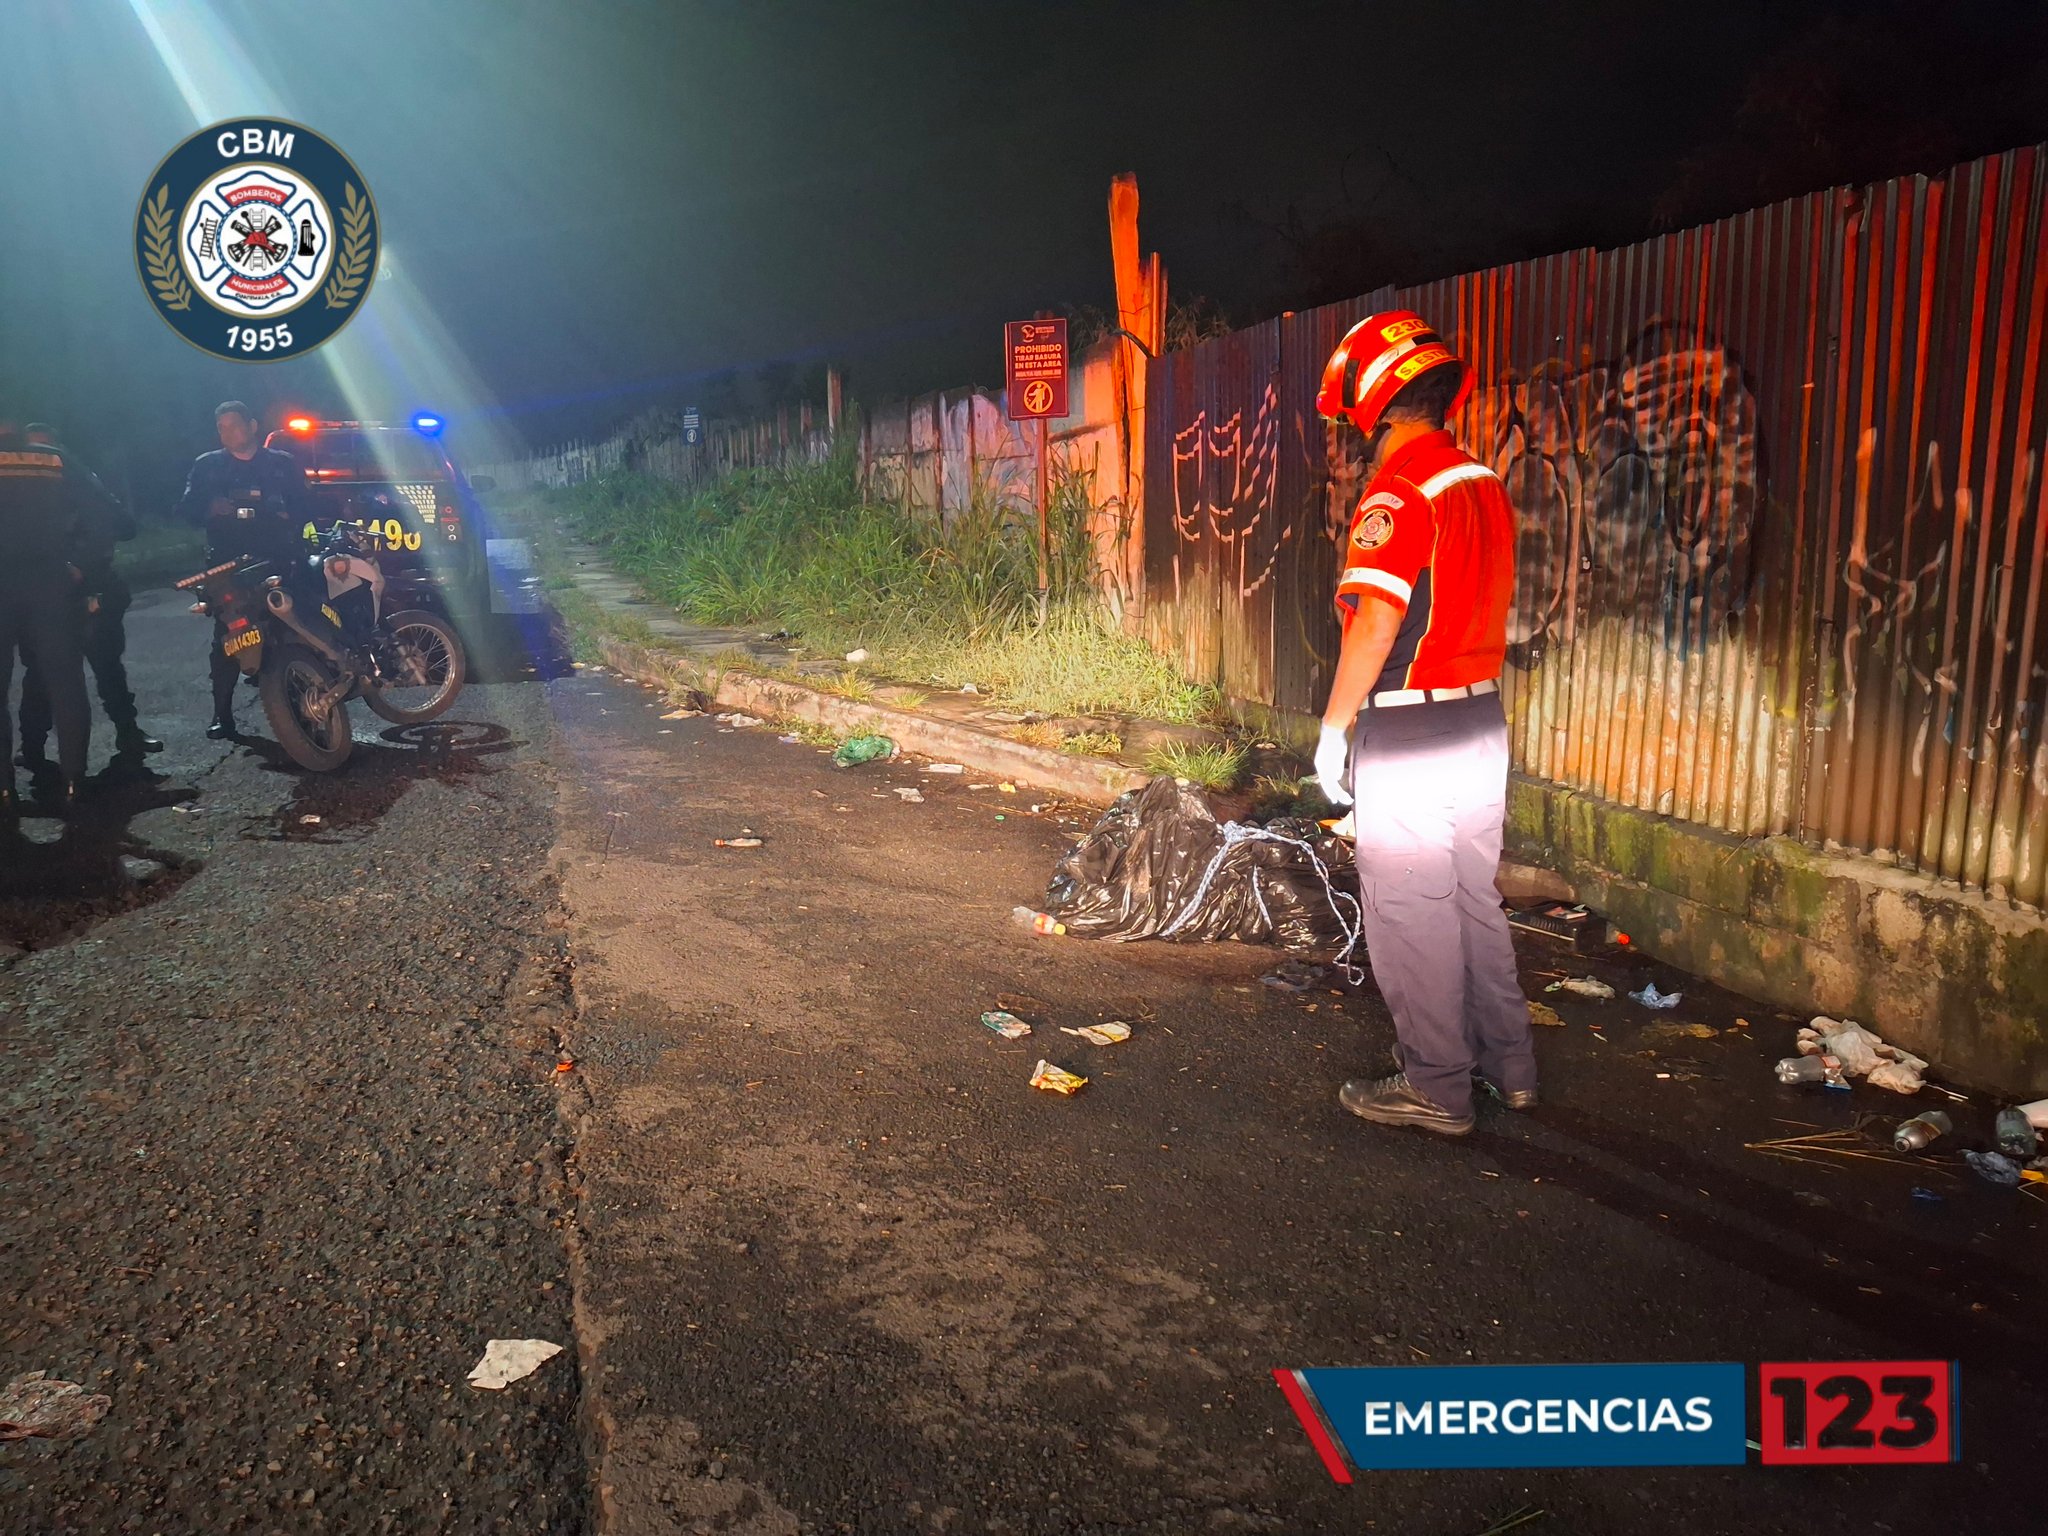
<point>1212,767</point>
<point>946,603</point>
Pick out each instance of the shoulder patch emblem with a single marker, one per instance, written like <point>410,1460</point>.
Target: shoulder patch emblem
<point>1375,526</point>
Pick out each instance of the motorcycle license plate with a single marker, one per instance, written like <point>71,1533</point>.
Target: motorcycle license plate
<point>245,648</point>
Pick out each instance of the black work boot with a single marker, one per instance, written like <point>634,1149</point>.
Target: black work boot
<point>131,740</point>
<point>222,729</point>
<point>1396,1101</point>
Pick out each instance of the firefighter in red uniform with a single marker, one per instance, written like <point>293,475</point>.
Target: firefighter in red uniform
<point>1415,732</point>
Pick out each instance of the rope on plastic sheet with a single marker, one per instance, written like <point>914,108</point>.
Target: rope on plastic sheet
<point>1237,832</point>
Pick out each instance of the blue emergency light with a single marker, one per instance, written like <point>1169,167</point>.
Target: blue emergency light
<point>427,423</point>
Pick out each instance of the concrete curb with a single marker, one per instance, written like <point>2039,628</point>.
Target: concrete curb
<point>1093,780</point>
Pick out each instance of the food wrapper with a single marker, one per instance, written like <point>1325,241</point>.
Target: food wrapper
<point>1101,1034</point>
<point>1006,1024</point>
<point>1056,1079</point>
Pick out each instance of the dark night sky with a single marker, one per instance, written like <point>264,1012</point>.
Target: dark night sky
<point>592,206</point>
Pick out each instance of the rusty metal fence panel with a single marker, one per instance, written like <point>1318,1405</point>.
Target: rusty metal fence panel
<point>1782,527</point>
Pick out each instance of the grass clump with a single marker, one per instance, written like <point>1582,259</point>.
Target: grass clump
<point>1212,767</point>
<point>802,549</point>
<point>1094,744</point>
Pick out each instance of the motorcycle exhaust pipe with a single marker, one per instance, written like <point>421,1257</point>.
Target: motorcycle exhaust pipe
<point>279,602</point>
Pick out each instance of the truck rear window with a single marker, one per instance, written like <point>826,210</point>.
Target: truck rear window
<point>382,456</point>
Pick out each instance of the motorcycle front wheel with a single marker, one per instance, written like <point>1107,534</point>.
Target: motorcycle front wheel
<point>425,667</point>
<point>291,680</point>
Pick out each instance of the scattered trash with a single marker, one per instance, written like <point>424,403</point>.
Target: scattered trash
<point>1740,1024</point>
<point>736,718</point>
<point>1157,864</point>
<point>1810,1069</point>
<point>309,821</point>
<point>913,796</point>
<point>969,688</point>
<point>1544,1014</point>
<point>40,1406</point>
<point>1101,1034</point>
<point>945,768</point>
<point>1008,789</point>
<point>790,740</point>
<point>1896,1076</point>
<point>1650,997</point>
<point>1994,1168</point>
<point>1584,986</point>
<point>1036,921</point>
<point>1864,1054</point>
<point>857,655</point>
<point>1295,976</point>
<point>682,714</point>
<point>2014,1134</point>
<point>863,749</point>
<point>1573,922</point>
<point>743,841</point>
<point>508,1360</point>
<point>1006,1024</point>
<point>1927,1196</point>
<point>1679,1032</point>
<point>1922,1131</point>
<point>1056,1079</point>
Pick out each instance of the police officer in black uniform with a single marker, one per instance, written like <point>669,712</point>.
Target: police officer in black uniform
<point>252,501</point>
<point>103,615</point>
<point>50,538</point>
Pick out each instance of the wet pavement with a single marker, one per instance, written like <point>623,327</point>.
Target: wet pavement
<point>286,1144</point>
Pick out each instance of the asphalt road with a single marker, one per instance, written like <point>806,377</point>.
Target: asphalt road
<point>285,1144</point>
<point>279,1137</point>
<point>848,1272</point>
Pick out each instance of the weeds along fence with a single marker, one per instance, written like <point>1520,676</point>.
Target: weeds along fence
<point>946,454</point>
<point>1782,520</point>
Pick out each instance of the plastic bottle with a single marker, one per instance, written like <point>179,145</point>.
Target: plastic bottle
<point>1802,1069</point>
<point>1036,921</point>
<point>2014,1134</point>
<point>1922,1131</point>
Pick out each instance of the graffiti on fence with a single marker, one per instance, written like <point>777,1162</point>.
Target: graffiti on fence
<point>1643,470</point>
<point>1224,477</point>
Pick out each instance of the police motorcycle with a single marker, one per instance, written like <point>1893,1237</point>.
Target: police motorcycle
<point>311,657</point>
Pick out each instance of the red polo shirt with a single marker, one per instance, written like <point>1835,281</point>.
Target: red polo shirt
<point>1434,534</point>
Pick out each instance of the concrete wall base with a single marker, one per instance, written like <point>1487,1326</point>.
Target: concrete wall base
<point>1951,975</point>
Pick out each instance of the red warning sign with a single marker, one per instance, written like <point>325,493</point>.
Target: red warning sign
<point>1035,368</point>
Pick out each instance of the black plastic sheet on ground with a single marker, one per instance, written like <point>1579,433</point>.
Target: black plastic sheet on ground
<point>1158,865</point>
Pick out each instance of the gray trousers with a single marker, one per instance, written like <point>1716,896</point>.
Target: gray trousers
<point>1431,787</point>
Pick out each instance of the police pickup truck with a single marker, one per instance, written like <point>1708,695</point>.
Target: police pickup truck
<point>397,481</point>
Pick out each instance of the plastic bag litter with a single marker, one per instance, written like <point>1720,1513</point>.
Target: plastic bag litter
<point>863,749</point>
<point>1584,986</point>
<point>1158,864</point>
<point>1650,997</point>
<point>1863,1053</point>
<point>1994,1168</point>
<point>39,1405</point>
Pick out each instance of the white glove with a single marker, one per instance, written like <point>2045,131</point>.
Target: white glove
<point>1333,760</point>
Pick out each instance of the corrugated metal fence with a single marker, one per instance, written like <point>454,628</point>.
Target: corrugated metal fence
<point>1782,529</point>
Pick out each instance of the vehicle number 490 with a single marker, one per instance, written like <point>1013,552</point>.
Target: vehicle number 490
<point>1834,1412</point>
<point>268,338</point>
